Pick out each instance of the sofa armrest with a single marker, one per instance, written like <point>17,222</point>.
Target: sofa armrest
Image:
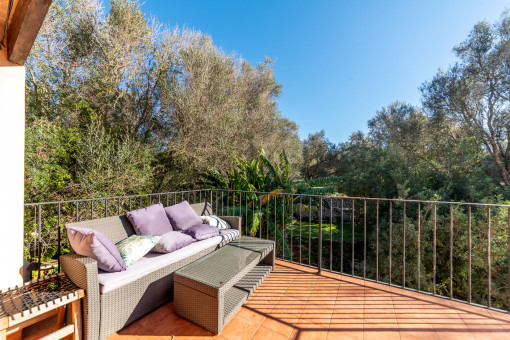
<point>234,221</point>
<point>82,271</point>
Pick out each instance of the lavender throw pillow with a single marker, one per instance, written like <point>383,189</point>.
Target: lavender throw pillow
<point>94,244</point>
<point>150,221</point>
<point>202,231</point>
<point>172,241</point>
<point>182,216</point>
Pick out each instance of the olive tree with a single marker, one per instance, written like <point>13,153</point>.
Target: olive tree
<point>475,92</point>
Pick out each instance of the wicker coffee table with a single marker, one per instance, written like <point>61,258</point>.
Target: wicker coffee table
<point>211,290</point>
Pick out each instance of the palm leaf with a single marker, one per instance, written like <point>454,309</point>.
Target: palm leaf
<point>273,170</point>
<point>267,198</point>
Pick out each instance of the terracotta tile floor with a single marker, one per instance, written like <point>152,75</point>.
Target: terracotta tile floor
<point>295,303</point>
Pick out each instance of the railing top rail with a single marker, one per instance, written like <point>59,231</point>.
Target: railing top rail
<point>371,198</point>
<point>273,193</point>
<point>112,197</point>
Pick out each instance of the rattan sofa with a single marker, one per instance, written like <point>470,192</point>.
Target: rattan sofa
<point>105,313</point>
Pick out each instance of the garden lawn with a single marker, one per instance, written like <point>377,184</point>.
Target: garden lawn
<point>358,232</point>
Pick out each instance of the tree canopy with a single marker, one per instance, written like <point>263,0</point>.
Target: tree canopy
<point>132,106</point>
<point>475,92</point>
<point>119,104</point>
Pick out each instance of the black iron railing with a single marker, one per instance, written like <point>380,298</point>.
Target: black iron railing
<point>454,250</point>
<point>44,238</point>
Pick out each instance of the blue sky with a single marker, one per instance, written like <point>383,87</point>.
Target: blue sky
<point>339,61</point>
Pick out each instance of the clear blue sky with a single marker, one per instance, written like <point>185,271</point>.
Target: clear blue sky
<point>339,61</point>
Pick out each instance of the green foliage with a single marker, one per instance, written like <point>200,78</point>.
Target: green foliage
<point>264,213</point>
<point>262,175</point>
<point>61,163</point>
<point>50,158</point>
<point>112,166</point>
<point>319,156</point>
<point>334,229</point>
<point>473,93</point>
<point>137,107</point>
<point>406,154</point>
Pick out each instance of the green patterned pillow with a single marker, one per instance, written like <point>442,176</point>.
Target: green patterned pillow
<point>215,221</point>
<point>135,247</point>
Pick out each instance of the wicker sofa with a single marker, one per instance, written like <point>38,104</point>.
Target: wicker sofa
<point>113,301</point>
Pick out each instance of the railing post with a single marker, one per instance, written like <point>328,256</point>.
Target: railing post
<point>342,236</point>
<point>319,265</point>
<point>309,230</point>
<point>391,241</point>
<point>59,238</point>
<point>376,242</point>
<point>300,221</point>
<point>489,275</point>
<point>404,249</point>
<point>508,240</point>
<point>39,241</point>
<point>434,252</point>
<point>451,251</point>
<point>469,254</point>
<point>365,239</point>
<point>419,245</point>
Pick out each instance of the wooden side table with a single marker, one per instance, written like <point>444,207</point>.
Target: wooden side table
<point>38,300</point>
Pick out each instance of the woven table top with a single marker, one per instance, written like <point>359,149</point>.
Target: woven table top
<point>33,294</point>
<point>220,267</point>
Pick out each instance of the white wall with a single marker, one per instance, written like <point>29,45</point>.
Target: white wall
<point>12,150</point>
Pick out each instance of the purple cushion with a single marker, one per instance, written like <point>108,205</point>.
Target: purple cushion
<point>94,244</point>
<point>182,216</point>
<point>150,221</point>
<point>172,241</point>
<point>202,231</point>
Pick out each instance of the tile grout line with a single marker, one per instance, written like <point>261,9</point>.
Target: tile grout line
<point>394,313</point>
<point>432,327</point>
<point>460,317</point>
<point>301,312</point>
<point>302,309</point>
<point>330,319</point>
<point>363,332</point>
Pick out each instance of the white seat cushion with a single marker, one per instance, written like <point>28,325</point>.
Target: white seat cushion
<point>154,261</point>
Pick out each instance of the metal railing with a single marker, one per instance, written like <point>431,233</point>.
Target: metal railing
<point>44,230</point>
<point>455,250</point>
<point>432,247</point>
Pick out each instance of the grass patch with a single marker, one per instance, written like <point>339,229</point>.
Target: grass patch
<point>358,232</point>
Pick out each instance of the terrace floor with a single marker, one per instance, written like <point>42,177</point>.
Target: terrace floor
<point>295,303</point>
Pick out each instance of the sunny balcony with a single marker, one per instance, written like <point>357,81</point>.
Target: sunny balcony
<point>346,267</point>
<point>318,170</point>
